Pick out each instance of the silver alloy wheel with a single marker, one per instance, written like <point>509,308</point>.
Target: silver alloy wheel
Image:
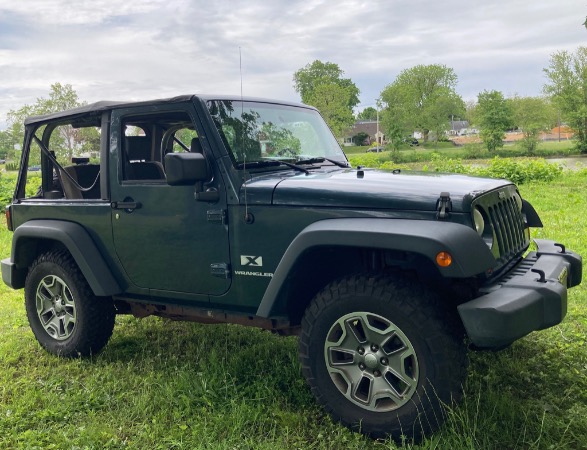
<point>371,361</point>
<point>56,307</point>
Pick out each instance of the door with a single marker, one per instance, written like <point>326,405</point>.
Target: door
<point>165,239</point>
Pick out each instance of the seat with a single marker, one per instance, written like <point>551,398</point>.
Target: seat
<point>85,175</point>
<point>196,146</point>
<point>140,166</point>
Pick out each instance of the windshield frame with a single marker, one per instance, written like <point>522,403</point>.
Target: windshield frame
<point>273,132</point>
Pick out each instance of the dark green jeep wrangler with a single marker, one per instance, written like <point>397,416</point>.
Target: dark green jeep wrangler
<point>221,209</point>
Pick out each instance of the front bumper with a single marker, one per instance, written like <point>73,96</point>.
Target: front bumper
<point>532,296</point>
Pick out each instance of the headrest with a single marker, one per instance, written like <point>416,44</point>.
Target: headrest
<point>196,146</point>
<point>138,148</point>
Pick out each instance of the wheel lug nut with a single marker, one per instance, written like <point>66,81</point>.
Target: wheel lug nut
<point>362,366</point>
<point>361,351</point>
<point>384,361</point>
<point>374,347</point>
<point>377,373</point>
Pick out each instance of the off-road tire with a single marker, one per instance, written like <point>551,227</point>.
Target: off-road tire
<point>428,334</point>
<point>67,319</point>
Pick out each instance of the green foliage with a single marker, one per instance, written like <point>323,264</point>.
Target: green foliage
<point>372,160</point>
<point>61,97</point>
<point>321,85</point>
<point>520,171</point>
<point>567,74</point>
<point>11,166</point>
<point>494,117</point>
<point>332,102</point>
<point>369,113</point>
<point>7,185</point>
<point>317,73</point>
<point>422,98</point>
<point>517,170</point>
<point>532,115</point>
<point>439,163</point>
<point>359,138</point>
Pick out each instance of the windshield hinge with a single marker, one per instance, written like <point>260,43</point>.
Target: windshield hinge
<point>443,205</point>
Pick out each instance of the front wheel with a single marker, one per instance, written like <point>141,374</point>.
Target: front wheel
<point>66,317</point>
<point>381,356</point>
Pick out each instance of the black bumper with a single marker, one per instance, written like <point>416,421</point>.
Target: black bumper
<point>12,276</point>
<point>532,296</point>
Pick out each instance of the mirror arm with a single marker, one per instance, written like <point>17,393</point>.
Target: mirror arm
<point>201,195</point>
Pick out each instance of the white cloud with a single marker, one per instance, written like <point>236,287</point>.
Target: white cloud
<point>109,49</point>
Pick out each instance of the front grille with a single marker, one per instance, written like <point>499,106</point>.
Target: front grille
<point>507,222</point>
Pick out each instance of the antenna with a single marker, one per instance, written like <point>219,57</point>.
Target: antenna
<point>249,218</point>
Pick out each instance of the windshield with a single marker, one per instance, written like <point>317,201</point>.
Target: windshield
<point>256,132</point>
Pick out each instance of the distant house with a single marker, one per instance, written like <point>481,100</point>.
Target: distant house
<point>458,127</point>
<point>369,127</point>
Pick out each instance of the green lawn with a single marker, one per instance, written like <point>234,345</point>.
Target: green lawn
<point>172,385</point>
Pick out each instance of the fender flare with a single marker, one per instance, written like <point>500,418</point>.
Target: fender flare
<point>78,242</point>
<point>471,256</point>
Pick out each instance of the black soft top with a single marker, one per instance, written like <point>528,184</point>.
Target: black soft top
<point>101,106</point>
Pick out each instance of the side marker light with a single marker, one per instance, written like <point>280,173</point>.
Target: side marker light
<point>444,259</point>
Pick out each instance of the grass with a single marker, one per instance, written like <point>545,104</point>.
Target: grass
<point>176,385</point>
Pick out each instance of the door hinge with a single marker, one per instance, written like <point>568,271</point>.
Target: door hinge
<point>220,270</point>
<point>443,205</point>
<point>216,215</point>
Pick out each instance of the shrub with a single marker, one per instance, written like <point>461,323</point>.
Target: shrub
<point>11,166</point>
<point>373,160</point>
<point>439,163</point>
<point>520,171</point>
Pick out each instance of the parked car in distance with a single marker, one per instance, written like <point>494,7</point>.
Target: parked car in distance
<point>376,149</point>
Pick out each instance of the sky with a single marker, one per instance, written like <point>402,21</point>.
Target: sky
<point>122,50</point>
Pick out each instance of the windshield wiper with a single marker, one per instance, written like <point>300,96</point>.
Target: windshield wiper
<point>271,163</point>
<point>322,159</point>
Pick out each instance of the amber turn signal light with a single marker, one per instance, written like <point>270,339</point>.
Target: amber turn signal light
<point>444,259</point>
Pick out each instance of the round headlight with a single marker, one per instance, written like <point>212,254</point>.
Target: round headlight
<point>479,221</point>
<point>518,201</point>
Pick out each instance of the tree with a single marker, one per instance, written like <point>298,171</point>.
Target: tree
<point>568,89</point>
<point>494,117</point>
<point>422,98</point>
<point>7,144</point>
<point>532,115</point>
<point>471,112</point>
<point>332,101</point>
<point>61,97</point>
<point>309,77</point>
<point>369,113</point>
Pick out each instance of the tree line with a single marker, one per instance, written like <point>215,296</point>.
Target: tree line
<point>424,99</point>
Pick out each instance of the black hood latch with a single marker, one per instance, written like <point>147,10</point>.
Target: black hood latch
<point>443,205</point>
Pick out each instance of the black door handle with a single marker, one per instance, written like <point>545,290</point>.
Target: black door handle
<point>128,206</point>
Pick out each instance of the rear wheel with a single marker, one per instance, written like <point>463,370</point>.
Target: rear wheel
<point>66,317</point>
<point>381,356</point>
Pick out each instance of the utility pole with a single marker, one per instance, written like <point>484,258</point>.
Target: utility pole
<point>377,135</point>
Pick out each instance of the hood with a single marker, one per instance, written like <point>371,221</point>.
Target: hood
<point>369,189</point>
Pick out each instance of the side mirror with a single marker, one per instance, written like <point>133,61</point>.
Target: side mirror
<point>186,168</point>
